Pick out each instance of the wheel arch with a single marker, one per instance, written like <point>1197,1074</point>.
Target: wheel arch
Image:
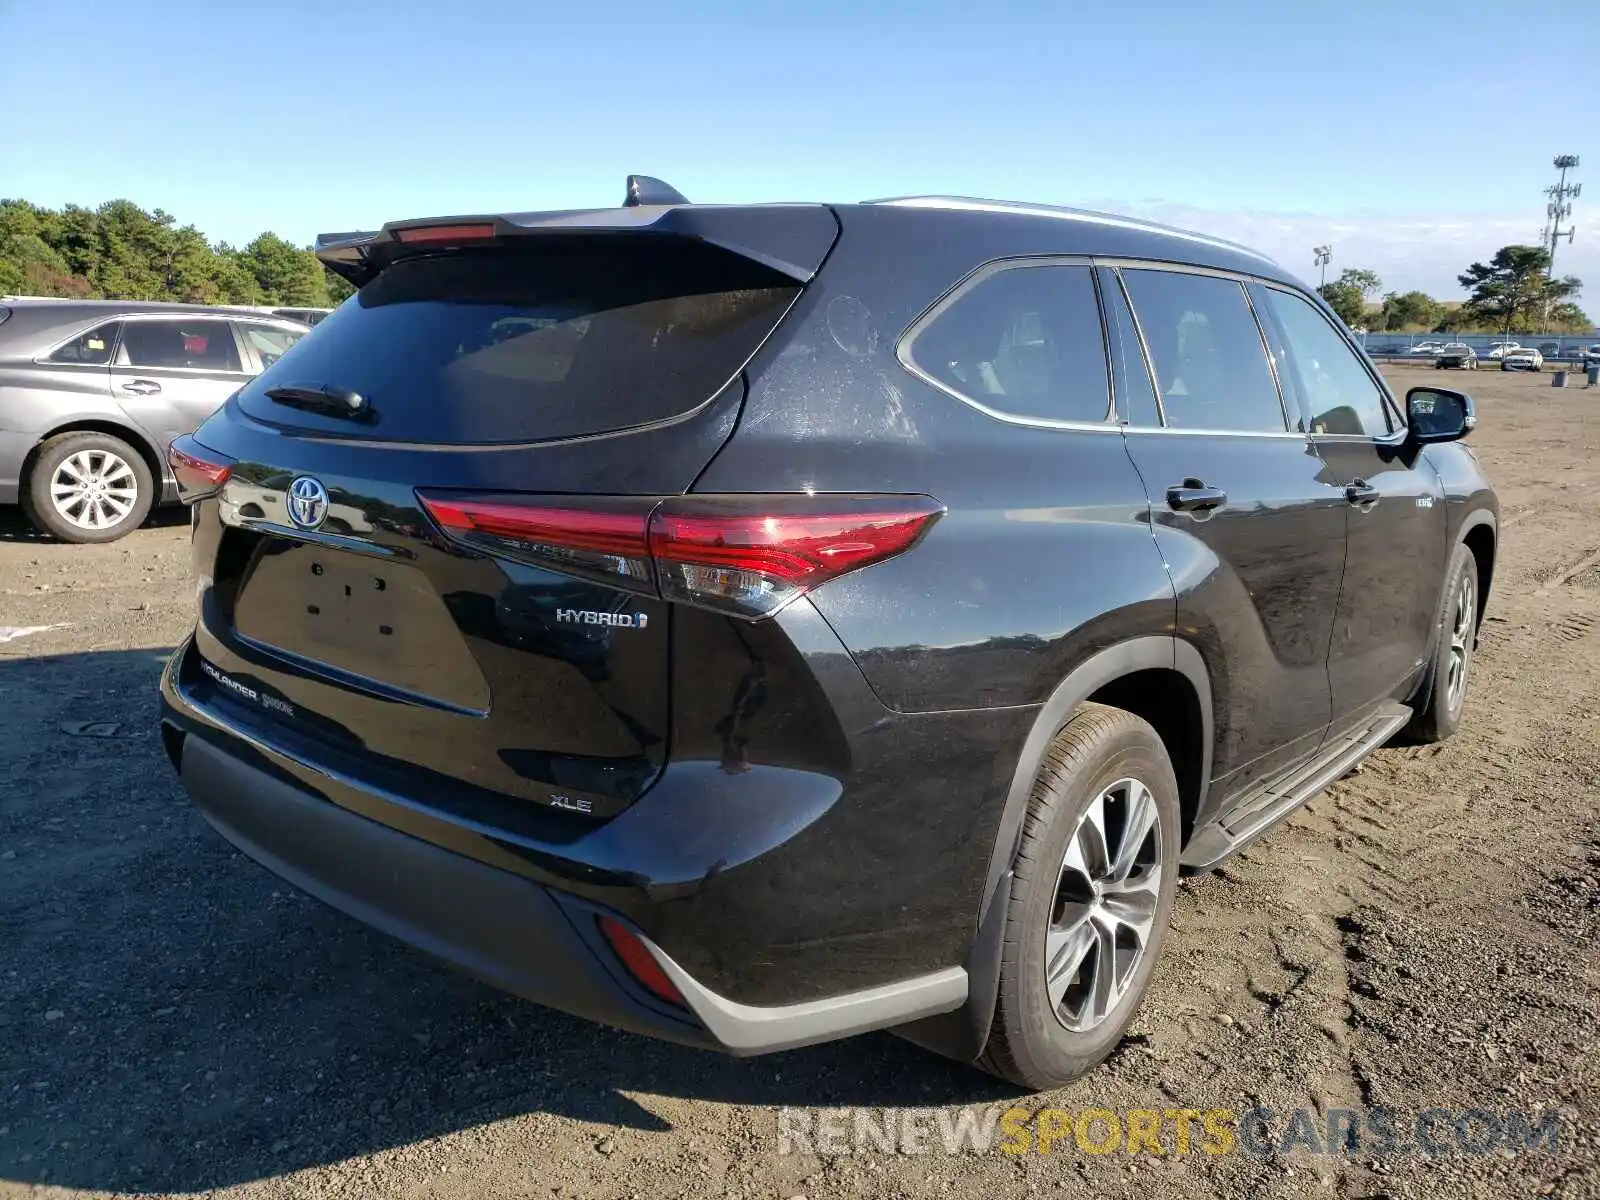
<point>1141,675</point>
<point>123,431</point>
<point>1479,534</point>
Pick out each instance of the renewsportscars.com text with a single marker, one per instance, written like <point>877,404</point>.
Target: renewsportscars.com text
<point>1165,1132</point>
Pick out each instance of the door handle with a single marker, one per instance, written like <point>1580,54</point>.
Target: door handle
<point>1192,496</point>
<point>141,387</point>
<point>1362,494</point>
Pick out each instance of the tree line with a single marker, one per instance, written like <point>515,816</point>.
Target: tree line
<point>121,252</point>
<point>1512,292</point>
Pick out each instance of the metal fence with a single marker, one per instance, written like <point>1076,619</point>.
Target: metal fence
<point>1551,345</point>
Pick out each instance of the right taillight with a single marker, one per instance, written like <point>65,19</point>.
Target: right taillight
<point>746,555</point>
<point>199,470</point>
<point>751,555</point>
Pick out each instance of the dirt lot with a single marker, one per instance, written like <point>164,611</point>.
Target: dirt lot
<point>173,1020</point>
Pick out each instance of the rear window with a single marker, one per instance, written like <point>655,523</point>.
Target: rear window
<point>526,343</point>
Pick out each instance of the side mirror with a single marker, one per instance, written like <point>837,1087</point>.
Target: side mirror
<point>1439,415</point>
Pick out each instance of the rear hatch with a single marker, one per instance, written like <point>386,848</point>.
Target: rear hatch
<point>375,581</point>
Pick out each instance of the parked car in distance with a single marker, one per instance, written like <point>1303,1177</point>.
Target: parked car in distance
<point>92,392</point>
<point>1499,350</point>
<point>1550,349</point>
<point>1427,348</point>
<point>1523,358</point>
<point>1591,354</point>
<point>306,316</point>
<point>676,614</point>
<point>1456,356</point>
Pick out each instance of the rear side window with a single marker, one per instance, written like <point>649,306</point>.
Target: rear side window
<point>1339,395</point>
<point>1210,363</point>
<point>197,345</point>
<point>550,340</point>
<point>92,346</point>
<point>270,343</point>
<point>1022,341</point>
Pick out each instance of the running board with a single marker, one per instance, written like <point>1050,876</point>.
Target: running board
<point>1260,810</point>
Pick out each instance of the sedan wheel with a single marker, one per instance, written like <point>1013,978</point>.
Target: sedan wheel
<point>94,489</point>
<point>88,487</point>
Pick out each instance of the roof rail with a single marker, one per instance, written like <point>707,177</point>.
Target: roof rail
<point>646,189</point>
<point>1059,212</point>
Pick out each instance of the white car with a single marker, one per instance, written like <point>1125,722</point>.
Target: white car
<point>1428,348</point>
<point>1501,349</point>
<point>1521,358</point>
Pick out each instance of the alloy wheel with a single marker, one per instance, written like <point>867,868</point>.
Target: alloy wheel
<point>94,489</point>
<point>1106,898</point>
<point>1461,632</point>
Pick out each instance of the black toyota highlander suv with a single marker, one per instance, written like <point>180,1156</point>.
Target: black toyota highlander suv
<point>753,625</point>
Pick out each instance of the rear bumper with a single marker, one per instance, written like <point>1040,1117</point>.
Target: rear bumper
<point>518,934</point>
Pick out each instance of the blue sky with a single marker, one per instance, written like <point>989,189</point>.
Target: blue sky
<point>1281,124</point>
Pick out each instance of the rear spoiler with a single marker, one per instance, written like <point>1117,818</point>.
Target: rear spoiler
<point>792,239</point>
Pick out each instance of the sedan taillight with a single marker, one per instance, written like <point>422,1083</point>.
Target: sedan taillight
<point>199,470</point>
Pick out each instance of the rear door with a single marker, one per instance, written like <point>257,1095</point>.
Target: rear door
<point>366,588</point>
<point>1394,506</point>
<point>172,372</point>
<point>1245,515</point>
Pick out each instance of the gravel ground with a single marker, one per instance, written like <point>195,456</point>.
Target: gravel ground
<point>174,1020</point>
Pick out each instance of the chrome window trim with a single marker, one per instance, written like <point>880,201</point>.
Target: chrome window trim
<point>904,343</point>
<point>1236,277</point>
<point>1241,433</point>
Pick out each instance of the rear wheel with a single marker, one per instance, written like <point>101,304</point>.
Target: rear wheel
<point>1438,708</point>
<point>1094,882</point>
<point>88,487</point>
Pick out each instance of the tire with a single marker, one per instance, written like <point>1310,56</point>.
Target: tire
<point>1440,702</point>
<point>116,503</point>
<point>1093,764</point>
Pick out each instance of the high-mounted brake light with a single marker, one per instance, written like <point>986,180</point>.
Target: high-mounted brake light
<point>200,471</point>
<point>443,233</point>
<point>747,555</point>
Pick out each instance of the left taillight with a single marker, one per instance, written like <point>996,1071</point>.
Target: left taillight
<point>199,470</point>
<point>745,555</point>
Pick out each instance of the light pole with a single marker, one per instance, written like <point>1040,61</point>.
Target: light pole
<point>1559,209</point>
<point>1324,255</point>
<point>1560,206</point>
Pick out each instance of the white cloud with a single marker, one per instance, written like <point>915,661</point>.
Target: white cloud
<point>1406,250</point>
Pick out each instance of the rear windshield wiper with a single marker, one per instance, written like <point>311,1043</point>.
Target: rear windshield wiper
<point>335,402</point>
